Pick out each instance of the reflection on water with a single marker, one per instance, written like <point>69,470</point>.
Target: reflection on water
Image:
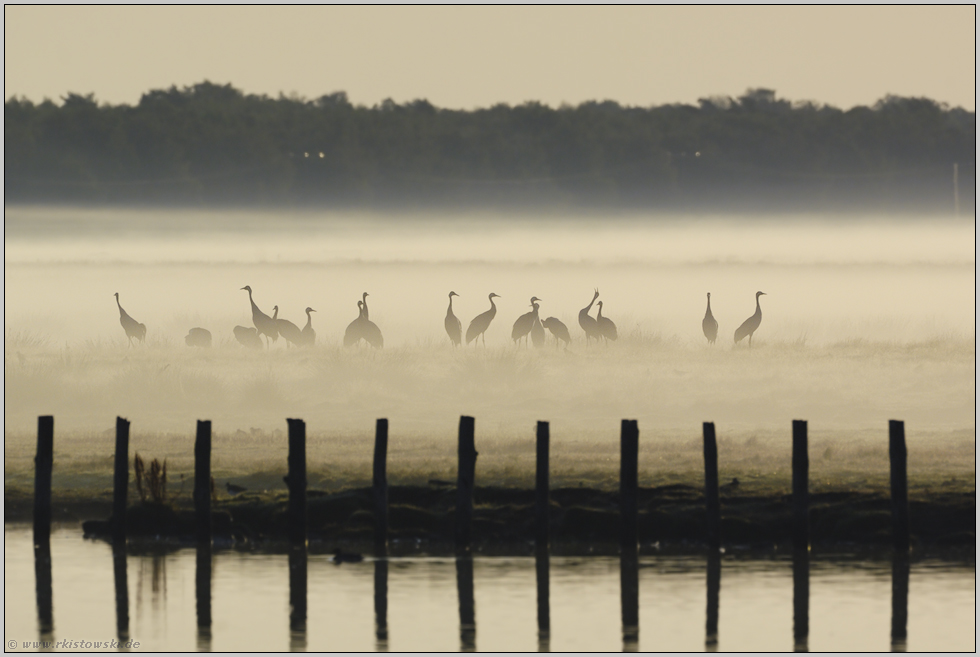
<point>276,601</point>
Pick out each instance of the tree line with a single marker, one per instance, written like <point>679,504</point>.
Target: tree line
<point>214,144</point>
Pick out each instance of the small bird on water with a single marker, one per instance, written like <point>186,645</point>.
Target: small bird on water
<point>233,489</point>
<point>339,556</point>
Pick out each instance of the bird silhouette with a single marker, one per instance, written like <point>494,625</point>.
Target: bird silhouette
<point>537,331</point>
<point>729,487</point>
<point>353,334</point>
<point>607,329</point>
<point>709,325</point>
<point>522,327</point>
<point>248,337</point>
<point>481,322</point>
<point>558,329</point>
<point>453,326</point>
<point>289,331</point>
<point>198,337</point>
<point>587,322</point>
<point>372,334</point>
<point>264,324</point>
<point>339,556</point>
<point>133,328</point>
<point>750,325</point>
<point>309,335</point>
<point>233,489</point>
<point>364,301</point>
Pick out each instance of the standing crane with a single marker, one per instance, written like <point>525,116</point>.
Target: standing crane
<point>264,324</point>
<point>133,328</point>
<point>481,322</point>
<point>198,337</point>
<point>453,326</point>
<point>587,322</point>
<point>354,331</point>
<point>558,329</point>
<point>309,335</point>
<point>709,324</point>
<point>248,337</point>
<point>290,332</point>
<point>607,329</point>
<point>537,330</point>
<point>524,323</point>
<point>750,325</point>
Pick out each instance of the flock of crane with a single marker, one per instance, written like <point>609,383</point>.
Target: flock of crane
<point>527,327</point>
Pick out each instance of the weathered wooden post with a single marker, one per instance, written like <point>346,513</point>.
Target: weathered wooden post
<point>629,582</point>
<point>711,502</point>
<point>899,485</point>
<point>122,590</point>
<point>381,488</point>
<point>629,446</point>
<point>714,591</point>
<point>801,600</point>
<point>900,601</point>
<point>43,463</point>
<point>202,594</point>
<point>464,483</point>
<point>202,483</point>
<point>381,604</point>
<point>297,597</point>
<point>801,495</point>
<point>120,484</point>
<point>296,482</point>
<point>542,568</point>
<point>467,612</point>
<point>42,583</point>
<point>542,494</point>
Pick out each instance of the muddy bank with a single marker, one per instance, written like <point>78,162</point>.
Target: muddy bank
<point>671,515</point>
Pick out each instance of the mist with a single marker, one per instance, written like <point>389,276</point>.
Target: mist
<point>864,320</point>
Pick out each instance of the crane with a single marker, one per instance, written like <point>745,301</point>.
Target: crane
<point>750,325</point>
<point>353,333</point>
<point>453,326</point>
<point>587,322</point>
<point>481,322</point>
<point>607,329</point>
<point>264,324</point>
<point>558,329</point>
<point>537,330</point>
<point>709,325</point>
<point>248,337</point>
<point>524,323</point>
<point>309,335</point>
<point>133,328</point>
<point>198,337</point>
<point>290,332</point>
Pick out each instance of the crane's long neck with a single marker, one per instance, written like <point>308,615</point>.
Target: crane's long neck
<point>758,308</point>
<point>450,311</point>
<point>255,309</point>
<point>709,303</point>
<point>309,320</point>
<point>121,311</point>
<point>364,299</point>
<point>493,307</point>
<point>535,311</point>
<point>589,307</point>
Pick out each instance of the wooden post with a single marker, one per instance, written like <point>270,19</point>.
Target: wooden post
<point>381,605</point>
<point>202,591</point>
<point>801,600</point>
<point>542,499</point>
<point>464,484</point>
<point>42,583</point>
<point>381,488</point>
<point>629,446</point>
<point>122,589</point>
<point>297,598</point>
<point>296,482</point>
<point>801,496</point>
<point>900,486</point>
<point>714,591</point>
<point>900,601</point>
<point>43,462</point>
<point>120,483</point>
<point>467,612</point>
<point>202,483</point>
<point>542,568</point>
<point>711,502</point>
<point>629,572</point>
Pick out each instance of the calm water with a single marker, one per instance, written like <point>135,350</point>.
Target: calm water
<point>850,602</point>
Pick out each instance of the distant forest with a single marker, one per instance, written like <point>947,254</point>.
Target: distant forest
<point>211,144</point>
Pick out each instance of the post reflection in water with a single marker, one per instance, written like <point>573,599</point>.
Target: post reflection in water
<point>801,600</point>
<point>381,603</point>
<point>542,567</point>
<point>297,598</point>
<point>467,614</point>
<point>900,601</point>
<point>122,590</point>
<point>714,590</point>
<point>202,589</point>
<point>629,571</point>
<point>42,578</point>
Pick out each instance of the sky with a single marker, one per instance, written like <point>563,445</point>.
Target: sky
<point>465,57</point>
